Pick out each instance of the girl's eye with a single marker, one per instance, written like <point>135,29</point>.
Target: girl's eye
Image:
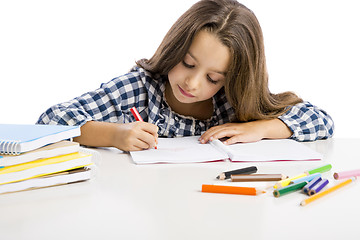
<point>187,65</point>
<point>192,66</point>
<point>211,80</point>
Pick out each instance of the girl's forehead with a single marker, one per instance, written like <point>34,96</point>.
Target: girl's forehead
<point>206,48</point>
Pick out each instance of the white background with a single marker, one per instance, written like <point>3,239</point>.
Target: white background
<point>52,51</point>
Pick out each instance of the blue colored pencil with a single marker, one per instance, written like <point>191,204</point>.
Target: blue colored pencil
<point>317,188</point>
<point>312,183</point>
<point>306,178</point>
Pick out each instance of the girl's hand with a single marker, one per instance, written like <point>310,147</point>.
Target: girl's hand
<point>247,132</point>
<point>126,136</point>
<point>135,136</point>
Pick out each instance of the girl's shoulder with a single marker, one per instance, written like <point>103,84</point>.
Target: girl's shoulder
<point>137,77</point>
<point>135,74</point>
<point>153,83</point>
<point>147,77</point>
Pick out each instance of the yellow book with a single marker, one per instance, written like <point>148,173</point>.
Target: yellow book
<point>56,179</point>
<point>43,167</point>
<point>48,151</point>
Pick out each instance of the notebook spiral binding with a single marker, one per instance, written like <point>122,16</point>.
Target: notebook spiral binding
<point>9,147</point>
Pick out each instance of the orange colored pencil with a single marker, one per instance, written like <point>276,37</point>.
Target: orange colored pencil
<point>327,191</point>
<point>230,189</point>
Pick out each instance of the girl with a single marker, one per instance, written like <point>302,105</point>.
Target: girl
<point>207,76</point>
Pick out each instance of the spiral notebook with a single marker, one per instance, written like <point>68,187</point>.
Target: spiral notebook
<point>190,150</point>
<point>19,138</point>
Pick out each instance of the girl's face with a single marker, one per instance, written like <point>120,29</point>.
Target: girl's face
<point>201,74</point>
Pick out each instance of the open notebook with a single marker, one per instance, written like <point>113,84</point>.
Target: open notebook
<point>189,150</point>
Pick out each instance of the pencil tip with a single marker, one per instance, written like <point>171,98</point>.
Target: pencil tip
<point>217,177</point>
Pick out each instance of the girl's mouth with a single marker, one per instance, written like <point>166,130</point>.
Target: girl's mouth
<point>186,94</point>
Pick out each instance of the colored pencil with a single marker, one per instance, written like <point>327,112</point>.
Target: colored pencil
<point>289,189</point>
<point>137,116</point>
<point>257,177</point>
<point>347,174</point>
<point>312,183</point>
<point>321,169</point>
<point>306,178</point>
<point>327,191</point>
<point>247,170</point>
<point>318,187</point>
<point>231,189</point>
<point>284,183</point>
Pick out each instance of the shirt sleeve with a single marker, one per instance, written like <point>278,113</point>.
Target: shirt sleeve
<point>308,122</point>
<point>109,103</point>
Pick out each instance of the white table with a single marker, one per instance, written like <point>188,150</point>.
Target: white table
<point>163,201</point>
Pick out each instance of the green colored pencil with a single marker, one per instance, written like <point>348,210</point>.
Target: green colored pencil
<point>289,189</point>
<point>321,169</point>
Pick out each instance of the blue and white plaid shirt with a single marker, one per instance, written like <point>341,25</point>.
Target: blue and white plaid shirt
<point>138,88</point>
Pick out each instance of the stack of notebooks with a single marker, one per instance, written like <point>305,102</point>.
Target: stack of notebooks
<point>37,156</point>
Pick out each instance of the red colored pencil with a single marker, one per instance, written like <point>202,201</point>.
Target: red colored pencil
<point>137,116</point>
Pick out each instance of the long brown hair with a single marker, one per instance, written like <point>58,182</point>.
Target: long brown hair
<point>246,85</point>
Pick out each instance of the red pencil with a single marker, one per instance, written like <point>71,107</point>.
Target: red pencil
<point>137,116</point>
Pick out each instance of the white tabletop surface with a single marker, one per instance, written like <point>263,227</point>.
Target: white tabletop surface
<point>163,201</point>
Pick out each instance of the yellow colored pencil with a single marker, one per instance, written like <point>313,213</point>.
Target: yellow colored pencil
<point>327,191</point>
<point>285,182</point>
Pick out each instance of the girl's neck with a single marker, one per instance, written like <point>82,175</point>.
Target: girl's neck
<point>198,110</point>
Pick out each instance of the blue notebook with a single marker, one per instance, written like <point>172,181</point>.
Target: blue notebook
<point>19,138</point>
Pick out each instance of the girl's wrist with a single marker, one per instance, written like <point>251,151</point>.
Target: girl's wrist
<point>276,129</point>
<point>113,134</point>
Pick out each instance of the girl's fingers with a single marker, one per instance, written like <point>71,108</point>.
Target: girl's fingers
<point>208,134</point>
<point>233,139</point>
<point>140,144</point>
<point>144,141</point>
<point>151,138</point>
<point>219,132</point>
<point>138,136</point>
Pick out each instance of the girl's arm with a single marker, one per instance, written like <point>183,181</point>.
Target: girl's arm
<point>302,122</point>
<point>248,132</point>
<point>127,137</point>
<point>104,115</point>
<point>308,122</point>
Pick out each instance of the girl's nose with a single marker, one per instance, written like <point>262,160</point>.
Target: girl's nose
<point>193,82</point>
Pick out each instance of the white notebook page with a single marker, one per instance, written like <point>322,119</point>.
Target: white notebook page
<point>188,149</point>
<point>179,150</point>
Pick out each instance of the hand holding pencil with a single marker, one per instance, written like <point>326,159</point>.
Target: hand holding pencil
<point>134,136</point>
<point>143,135</point>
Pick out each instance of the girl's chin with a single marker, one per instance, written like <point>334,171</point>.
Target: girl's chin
<point>185,100</point>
